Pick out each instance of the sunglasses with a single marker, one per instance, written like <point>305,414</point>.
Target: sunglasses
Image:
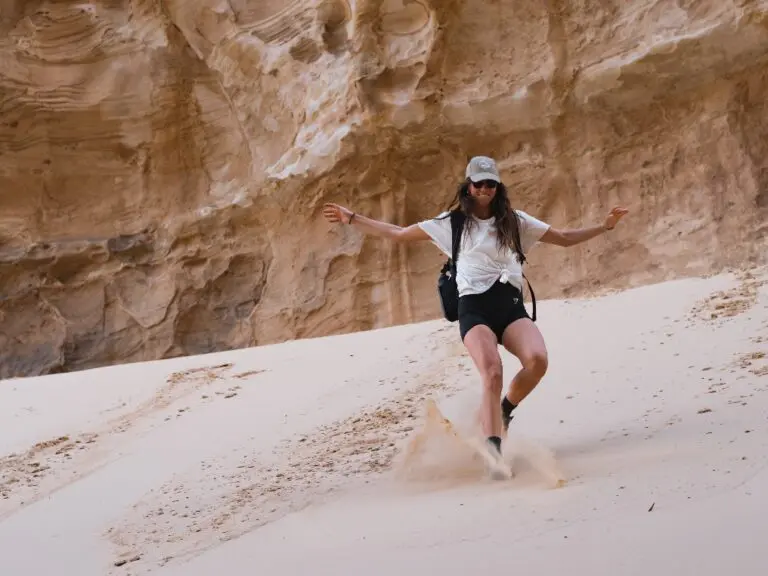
<point>491,184</point>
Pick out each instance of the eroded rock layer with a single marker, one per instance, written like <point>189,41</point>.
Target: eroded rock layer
<point>163,162</point>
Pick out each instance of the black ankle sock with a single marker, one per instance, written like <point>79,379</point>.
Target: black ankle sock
<point>495,441</point>
<point>507,406</point>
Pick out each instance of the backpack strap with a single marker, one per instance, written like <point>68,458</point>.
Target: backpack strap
<point>533,297</point>
<point>457,227</point>
<point>522,259</point>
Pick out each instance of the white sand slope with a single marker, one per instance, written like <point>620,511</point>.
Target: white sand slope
<point>293,459</point>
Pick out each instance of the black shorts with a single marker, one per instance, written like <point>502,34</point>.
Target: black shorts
<point>496,308</point>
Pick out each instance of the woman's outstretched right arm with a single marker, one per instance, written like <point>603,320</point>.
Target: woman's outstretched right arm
<point>335,213</point>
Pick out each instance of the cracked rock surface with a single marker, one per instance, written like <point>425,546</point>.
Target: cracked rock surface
<point>163,162</point>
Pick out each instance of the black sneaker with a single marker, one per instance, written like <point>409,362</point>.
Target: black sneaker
<point>497,468</point>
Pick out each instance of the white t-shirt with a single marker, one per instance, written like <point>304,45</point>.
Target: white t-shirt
<point>480,262</point>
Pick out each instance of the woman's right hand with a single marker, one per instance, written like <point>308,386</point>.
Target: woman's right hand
<point>335,213</point>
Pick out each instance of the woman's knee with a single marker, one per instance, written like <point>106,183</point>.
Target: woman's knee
<point>483,347</point>
<point>536,362</point>
<point>491,372</point>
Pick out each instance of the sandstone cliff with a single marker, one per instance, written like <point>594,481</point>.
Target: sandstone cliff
<point>163,162</point>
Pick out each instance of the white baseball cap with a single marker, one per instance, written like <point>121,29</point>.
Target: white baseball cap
<point>482,168</point>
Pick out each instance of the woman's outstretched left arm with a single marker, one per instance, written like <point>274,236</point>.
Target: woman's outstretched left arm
<point>573,236</point>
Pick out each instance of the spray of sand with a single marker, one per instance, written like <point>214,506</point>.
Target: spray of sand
<point>445,452</point>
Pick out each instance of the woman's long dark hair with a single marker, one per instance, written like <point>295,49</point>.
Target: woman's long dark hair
<point>507,222</point>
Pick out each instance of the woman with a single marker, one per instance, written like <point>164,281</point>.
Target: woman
<point>489,279</point>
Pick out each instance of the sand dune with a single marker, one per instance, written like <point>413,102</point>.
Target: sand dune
<point>643,451</point>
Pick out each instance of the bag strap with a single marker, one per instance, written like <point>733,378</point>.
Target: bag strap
<point>457,227</point>
<point>533,297</point>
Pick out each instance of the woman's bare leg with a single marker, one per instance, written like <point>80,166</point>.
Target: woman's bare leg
<point>523,339</point>
<point>482,346</point>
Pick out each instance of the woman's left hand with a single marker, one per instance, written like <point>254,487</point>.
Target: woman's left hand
<point>614,217</point>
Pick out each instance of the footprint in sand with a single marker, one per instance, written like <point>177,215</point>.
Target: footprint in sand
<point>729,303</point>
<point>24,477</point>
<point>755,362</point>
